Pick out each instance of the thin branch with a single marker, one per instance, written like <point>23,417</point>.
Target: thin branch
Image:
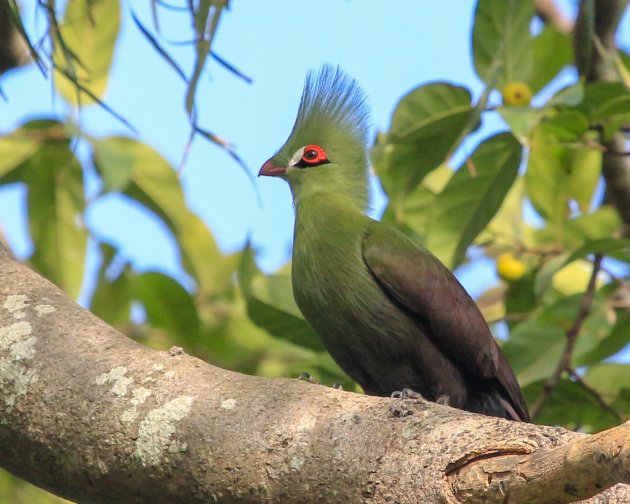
<point>565,360</point>
<point>550,14</point>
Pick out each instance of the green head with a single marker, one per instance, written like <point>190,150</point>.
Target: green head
<point>326,151</point>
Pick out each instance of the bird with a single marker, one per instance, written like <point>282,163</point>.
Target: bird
<point>391,315</point>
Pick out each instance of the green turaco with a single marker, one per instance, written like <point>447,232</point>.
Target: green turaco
<point>390,313</point>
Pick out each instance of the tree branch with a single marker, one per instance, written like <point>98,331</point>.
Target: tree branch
<point>595,54</point>
<point>565,360</point>
<point>93,416</point>
<point>549,13</point>
<point>559,475</point>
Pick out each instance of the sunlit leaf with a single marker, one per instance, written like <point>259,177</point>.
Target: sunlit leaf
<point>270,304</point>
<point>167,305</point>
<point>472,197</point>
<point>141,173</point>
<point>425,125</point>
<point>552,51</point>
<point>501,32</point>
<point>549,166</point>
<point>85,48</point>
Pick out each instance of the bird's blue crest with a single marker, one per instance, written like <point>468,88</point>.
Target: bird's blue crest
<point>333,98</point>
<point>332,114</point>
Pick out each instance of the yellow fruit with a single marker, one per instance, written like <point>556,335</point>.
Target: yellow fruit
<point>509,267</point>
<point>516,94</point>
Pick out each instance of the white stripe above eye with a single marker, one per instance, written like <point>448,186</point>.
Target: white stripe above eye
<point>295,159</point>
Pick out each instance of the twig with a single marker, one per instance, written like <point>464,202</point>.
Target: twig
<point>596,395</point>
<point>550,14</point>
<point>565,360</point>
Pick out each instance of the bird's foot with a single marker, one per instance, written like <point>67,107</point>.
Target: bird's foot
<point>337,386</point>
<point>304,376</point>
<point>406,393</point>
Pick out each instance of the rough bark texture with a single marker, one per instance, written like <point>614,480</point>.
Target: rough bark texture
<point>90,415</point>
<point>595,52</point>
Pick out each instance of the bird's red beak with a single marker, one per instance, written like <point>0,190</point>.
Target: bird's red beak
<point>271,170</point>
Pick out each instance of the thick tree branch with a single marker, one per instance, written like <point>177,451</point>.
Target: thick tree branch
<point>595,55</point>
<point>95,417</point>
<point>558,475</point>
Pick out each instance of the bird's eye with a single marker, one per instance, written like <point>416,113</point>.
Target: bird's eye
<point>312,155</point>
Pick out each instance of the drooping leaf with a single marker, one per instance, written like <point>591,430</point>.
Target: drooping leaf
<point>141,173</point>
<point>84,48</point>
<point>549,166</point>
<point>536,345</point>
<point>56,206</point>
<point>472,197</point>
<point>167,305</point>
<point>571,406</point>
<point>501,32</point>
<point>552,51</point>
<point>270,304</point>
<point>111,299</point>
<point>425,125</point>
<point>610,343</point>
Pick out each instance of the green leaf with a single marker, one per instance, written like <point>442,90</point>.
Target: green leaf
<point>549,166</point>
<point>570,406</point>
<point>145,176</point>
<point>15,149</point>
<point>501,32</point>
<point>607,103</point>
<point>610,379</point>
<point>552,51</point>
<point>536,345</point>
<point>56,206</point>
<point>271,306</point>
<point>111,299</point>
<point>610,343</point>
<point>471,199</point>
<point>84,48</point>
<point>168,305</point>
<point>425,125</point>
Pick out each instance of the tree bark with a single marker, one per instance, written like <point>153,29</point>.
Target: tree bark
<point>92,416</point>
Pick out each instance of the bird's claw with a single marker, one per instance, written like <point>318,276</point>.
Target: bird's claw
<point>406,393</point>
<point>307,377</point>
<point>337,386</point>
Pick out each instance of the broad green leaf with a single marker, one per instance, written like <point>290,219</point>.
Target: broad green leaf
<point>522,120</point>
<point>571,406</point>
<point>271,306</point>
<point>501,33</point>
<point>412,213</point>
<point>610,343</point>
<point>536,345</point>
<point>84,48</point>
<point>168,305</point>
<point>15,149</point>
<point>145,176</point>
<point>425,126</point>
<point>586,167</point>
<point>549,166</point>
<point>608,246</point>
<point>552,51</point>
<point>56,205</point>
<point>111,299</point>
<point>472,197</point>
<point>607,103</point>
<point>611,380</point>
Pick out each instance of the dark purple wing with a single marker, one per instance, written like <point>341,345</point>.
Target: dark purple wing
<point>422,284</point>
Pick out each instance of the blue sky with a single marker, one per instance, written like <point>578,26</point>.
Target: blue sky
<point>390,48</point>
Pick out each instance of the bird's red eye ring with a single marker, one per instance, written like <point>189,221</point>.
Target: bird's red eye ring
<point>313,155</point>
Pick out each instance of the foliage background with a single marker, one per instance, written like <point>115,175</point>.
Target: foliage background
<point>170,241</point>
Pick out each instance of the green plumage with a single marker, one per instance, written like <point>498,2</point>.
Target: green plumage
<point>387,310</point>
